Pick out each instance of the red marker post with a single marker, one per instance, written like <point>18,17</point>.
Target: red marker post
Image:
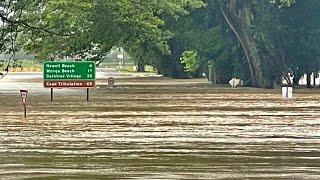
<point>24,95</point>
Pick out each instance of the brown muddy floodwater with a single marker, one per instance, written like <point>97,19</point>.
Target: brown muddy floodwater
<point>161,132</point>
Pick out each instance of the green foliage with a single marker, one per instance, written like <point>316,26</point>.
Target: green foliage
<point>303,35</point>
<point>79,29</point>
<point>268,33</point>
<point>28,64</point>
<point>189,60</point>
<point>19,63</point>
<point>204,32</point>
<point>282,3</point>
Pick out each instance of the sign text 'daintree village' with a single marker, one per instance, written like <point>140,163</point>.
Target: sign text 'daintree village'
<point>69,74</point>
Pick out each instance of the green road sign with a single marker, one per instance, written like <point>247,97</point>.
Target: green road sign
<point>64,74</point>
<point>69,70</point>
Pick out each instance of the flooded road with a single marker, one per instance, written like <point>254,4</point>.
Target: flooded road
<point>161,132</point>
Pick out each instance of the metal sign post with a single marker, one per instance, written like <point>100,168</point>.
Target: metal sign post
<point>51,96</point>
<point>87,94</point>
<point>24,95</point>
<point>51,91</point>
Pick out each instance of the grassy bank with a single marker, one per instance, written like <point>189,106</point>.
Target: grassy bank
<point>23,66</point>
<point>131,69</point>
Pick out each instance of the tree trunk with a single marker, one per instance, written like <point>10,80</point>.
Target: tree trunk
<point>215,76</point>
<point>296,80</point>
<point>314,78</point>
<point>309,80</point>
<point>270,83</point>
<point>141,67</point>
<point>237,14</point>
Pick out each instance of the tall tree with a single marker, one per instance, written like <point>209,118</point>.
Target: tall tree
<point>237,14</point>
<point>249,20</point>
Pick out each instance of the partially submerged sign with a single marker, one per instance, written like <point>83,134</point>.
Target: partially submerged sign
<point>111,80</point>
<point>24,95</point>
<point>287,91</point>
<point>234,82</point>
<point>69,74</point>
